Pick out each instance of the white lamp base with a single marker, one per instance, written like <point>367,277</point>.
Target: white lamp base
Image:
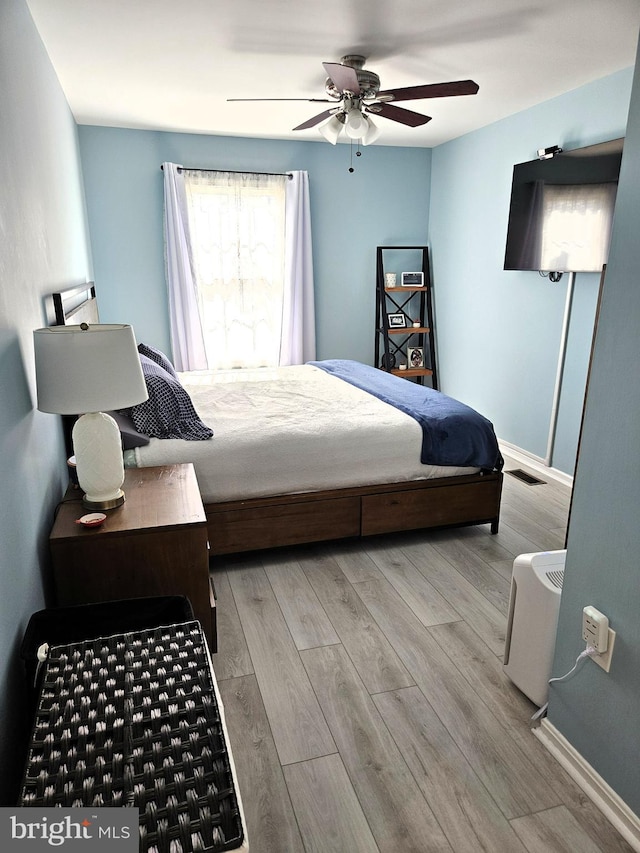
<point>99,464</point>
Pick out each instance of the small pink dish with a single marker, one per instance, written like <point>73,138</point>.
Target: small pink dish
<point>93,519</point>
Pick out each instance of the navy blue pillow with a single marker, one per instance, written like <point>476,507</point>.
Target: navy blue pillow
<point>158,356</point>
<point>169,411</point>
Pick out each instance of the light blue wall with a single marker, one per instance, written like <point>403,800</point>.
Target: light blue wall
<point>43,247</point>
<point>384,201</point>
<point>595,711</point>
<point>499,332</point>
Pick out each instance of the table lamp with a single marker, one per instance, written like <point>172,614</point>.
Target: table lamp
<point>83,370</point>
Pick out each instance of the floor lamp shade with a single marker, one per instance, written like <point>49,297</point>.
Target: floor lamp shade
<point>83,370</point>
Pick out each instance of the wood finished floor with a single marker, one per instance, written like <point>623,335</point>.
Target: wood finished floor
<point>365,700</point>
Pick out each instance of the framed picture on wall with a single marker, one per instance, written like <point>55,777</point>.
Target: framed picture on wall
<point>415,357</point>
<point>396,321</point>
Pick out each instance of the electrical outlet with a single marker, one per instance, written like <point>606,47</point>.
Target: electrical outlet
<point>595,627</point>
<point>604,660</point>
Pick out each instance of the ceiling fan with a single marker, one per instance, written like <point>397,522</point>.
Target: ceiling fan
<point>358,92</point>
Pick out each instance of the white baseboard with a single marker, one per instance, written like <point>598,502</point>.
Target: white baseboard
<point>535,462</point>
<point>605,798</point>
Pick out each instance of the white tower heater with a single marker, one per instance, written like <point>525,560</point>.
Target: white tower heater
<point>536,584</point>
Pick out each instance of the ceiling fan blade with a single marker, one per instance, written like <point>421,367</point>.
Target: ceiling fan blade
<point>312,122</point>
<point>308,100</point>
<point>343,76</point>
<point>400,114</point>
<point>431,90</point>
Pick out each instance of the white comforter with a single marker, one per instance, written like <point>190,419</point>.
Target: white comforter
<point>291,429</point>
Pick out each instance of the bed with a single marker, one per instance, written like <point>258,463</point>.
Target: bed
<point>302,454</point>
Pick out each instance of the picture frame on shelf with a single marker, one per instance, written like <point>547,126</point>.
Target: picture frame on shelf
<point>412,279</point>
<point>415,357</point>
<point>397,321</point>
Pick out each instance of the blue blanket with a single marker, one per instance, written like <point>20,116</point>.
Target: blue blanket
<point>452,433</point>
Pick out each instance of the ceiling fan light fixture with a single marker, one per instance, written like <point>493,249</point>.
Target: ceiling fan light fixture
<point>331,129</point>
<point>355,125</point>
<point>373,132</point>
<point>356,90</point>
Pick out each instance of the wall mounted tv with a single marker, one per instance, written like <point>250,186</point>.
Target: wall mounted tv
<point>561,210</point>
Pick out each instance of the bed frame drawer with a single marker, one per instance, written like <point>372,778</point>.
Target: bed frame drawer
<point>431,507</point>
<point>269,525</point>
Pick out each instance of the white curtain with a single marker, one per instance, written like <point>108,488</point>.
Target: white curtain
<point>247,245</point>
<point>187,340</point>
<point>298,315</point>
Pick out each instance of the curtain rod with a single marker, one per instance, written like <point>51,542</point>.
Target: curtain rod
<point>237,172</point>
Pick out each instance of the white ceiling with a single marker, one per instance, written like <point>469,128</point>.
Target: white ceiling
<point>167,65</point>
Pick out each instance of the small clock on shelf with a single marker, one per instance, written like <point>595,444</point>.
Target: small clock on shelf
<point>412,279</point>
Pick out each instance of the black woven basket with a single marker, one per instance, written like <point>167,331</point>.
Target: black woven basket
<point>133,720</point>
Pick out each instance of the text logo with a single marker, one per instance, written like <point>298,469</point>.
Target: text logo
<point>77,830</point>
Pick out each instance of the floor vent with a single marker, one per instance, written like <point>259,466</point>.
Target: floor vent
<point>529,479</point>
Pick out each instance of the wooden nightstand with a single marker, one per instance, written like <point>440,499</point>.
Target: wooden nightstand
<point>154,544</point>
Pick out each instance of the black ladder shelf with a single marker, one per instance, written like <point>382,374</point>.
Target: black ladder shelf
<point>401,347</point>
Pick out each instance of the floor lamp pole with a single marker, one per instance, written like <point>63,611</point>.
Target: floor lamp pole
<point>560,369</point>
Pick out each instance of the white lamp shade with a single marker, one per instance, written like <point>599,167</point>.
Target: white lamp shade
<point>355,125</point>
<point>87,368</point>
<point>373,132</point>
<point>331,129</point>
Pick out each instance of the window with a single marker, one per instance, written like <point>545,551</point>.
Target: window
<point>576,225</point>
<point>239,264</point>
<point>237,235</point>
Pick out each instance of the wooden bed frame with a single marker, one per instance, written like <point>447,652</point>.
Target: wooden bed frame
<point>236,526</point>
<point>259,523</point>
